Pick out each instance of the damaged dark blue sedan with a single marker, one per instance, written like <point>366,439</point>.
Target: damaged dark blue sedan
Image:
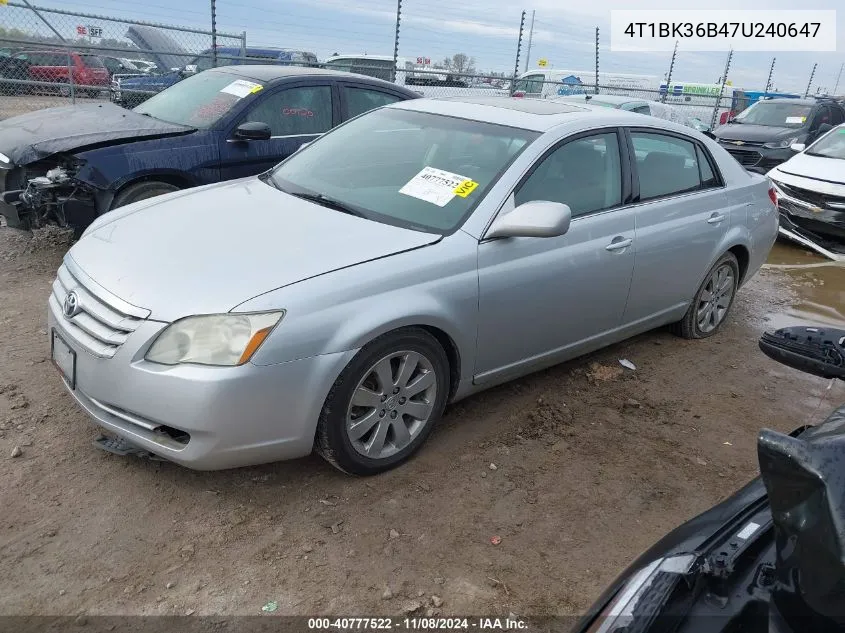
<point>71,164</point>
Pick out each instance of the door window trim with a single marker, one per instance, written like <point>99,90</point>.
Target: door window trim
<point>230,123</point>
<point>624,165</point>
<point>714,166</point>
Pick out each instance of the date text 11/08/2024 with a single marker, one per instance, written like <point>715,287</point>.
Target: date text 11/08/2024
<point>510,623</point>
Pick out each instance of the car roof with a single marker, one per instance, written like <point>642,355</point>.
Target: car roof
<point>274,72</point>
<point>809,102</point>
<point>539,115</point>
<point>379,58</point>
<point>615,99</point>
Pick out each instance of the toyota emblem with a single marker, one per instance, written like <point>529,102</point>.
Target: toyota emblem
<point>71,306</point>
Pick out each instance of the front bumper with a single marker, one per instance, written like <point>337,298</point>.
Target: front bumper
<point>233,416</point>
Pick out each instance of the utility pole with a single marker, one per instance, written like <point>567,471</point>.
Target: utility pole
<point>810,83</point>
<point>723,80</point>
<point>518,51</point>
<point>669,74</point>
<point>214,33</point>
<point>838,77</point>
<point>597,60</point>
<point>396,38</point>
<point>530,38</point>
<point>769,80</point>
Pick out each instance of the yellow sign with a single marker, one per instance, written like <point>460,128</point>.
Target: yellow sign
<point>543,62</point>
<point>4,2</point>
<point>729,83</point>
<point>465,188</point>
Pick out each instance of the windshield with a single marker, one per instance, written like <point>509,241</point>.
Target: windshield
<point>92,61</point>
<point>412,169</point>
<point>831,145</point>
<point>199,101</point>
<point>775,114</point>
<point>530,84</point>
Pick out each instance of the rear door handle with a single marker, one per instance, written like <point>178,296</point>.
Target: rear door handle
<point>716,218</point>
<point>619,243</point>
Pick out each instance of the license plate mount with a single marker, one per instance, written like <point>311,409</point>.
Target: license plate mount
<point>64,358</point>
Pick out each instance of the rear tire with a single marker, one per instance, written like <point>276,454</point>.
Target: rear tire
<point>141,191</point>
<point>713,300</point>
<point>394,390</point>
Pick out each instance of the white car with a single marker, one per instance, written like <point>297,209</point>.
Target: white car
<point>811,194</point>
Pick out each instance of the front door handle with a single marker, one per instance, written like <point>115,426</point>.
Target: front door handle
<point>716,218</point>
<point>619,243</point>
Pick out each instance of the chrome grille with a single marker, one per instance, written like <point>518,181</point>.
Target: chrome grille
<point>101,325</point>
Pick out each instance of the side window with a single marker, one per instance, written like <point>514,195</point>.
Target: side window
<point>708,178</point>
<point>360,100</point>
<point>822,116</point>
<point>641,109</point>
<point>666,165</point>
<point>584,173</point>
<point>295,111</point>
<point>837,115</point>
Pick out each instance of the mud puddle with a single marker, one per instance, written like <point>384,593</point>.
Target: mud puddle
<point>818,286</point>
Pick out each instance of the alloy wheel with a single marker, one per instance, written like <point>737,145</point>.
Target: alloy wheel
<point>715,298</point>
<point>391,404</point>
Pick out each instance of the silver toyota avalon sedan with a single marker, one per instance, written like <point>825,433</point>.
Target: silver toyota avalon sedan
<point>409,258</point>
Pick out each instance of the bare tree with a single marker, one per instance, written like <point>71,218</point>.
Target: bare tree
<point>460,63</point>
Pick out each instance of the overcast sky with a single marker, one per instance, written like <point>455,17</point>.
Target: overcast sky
<point>564,33</point>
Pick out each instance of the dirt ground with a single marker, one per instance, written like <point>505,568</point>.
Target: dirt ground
<point>577,470</point>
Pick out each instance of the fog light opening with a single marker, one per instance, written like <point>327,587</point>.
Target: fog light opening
<point>173,434</point>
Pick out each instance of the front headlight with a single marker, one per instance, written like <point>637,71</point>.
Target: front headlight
<point>781,144</point>
<point>224,340</point>
<point>644,595</point>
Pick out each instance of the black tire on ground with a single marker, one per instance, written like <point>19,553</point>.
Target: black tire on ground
<point>141,191</point>
<point>332,441</point>
<point>688,327</point>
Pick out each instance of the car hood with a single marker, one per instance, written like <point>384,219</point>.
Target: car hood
<point>209,249</point>
<point>829,173</point>
<point>755,133</point>
<point>36,135</point>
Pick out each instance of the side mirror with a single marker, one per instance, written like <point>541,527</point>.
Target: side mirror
<point>537,218</point>
<point>797,147</point>
<point>253,131</point>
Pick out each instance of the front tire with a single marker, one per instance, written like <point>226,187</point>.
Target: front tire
<point>384,404</point>
<point>142,191</point>
<point>712,302</point>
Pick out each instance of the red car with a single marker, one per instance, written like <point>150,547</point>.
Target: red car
<point>57,67</point>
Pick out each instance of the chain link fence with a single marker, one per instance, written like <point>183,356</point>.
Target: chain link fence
<point>697,110</point>
<point>51,57</point>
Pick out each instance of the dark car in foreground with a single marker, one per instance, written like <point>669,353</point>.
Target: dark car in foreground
<point>760,137</point>
<point>770,558</point>
<point>69,165</point>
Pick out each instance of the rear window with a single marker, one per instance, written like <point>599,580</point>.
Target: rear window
<point>92,61</point>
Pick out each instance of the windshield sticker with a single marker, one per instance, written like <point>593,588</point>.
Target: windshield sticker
<point>465,188</point>
<point>242,88</point>
<point>796,119</point>
<point>437,186</point>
